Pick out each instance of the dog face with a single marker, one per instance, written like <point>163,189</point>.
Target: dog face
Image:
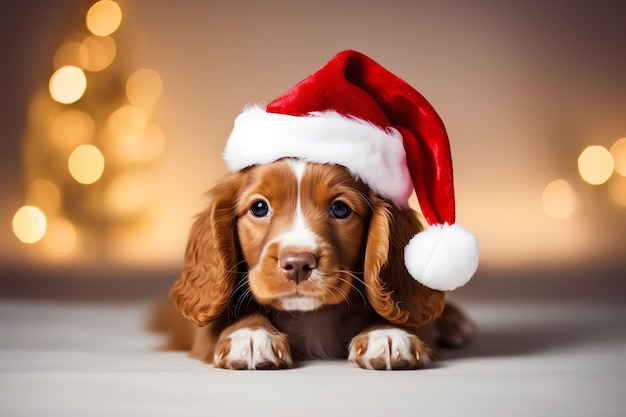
<point>302,232</point>
<point>300,236</point>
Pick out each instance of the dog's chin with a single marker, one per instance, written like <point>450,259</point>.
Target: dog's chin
<point>298,303</point>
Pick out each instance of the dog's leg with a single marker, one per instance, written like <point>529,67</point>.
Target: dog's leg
<point>387,347</point>
<point>252,343</point>
<point>454,328</point>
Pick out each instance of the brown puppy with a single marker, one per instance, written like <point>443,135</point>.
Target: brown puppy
<point>301,260</point>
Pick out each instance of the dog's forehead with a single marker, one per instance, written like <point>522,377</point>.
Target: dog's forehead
<point>297,169</point>
<point>275,173</point>
<point>286,178</point>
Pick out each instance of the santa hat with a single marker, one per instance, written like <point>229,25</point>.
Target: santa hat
<point>353,112</point>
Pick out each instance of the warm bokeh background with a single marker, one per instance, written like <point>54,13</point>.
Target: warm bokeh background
<point>523,87</point>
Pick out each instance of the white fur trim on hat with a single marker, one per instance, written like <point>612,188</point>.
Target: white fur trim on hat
<point>374,155</point>
<point>443,257</point>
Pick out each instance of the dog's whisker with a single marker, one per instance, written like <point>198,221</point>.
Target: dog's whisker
<point>293,315</point>
<point>251,298</point>
<point>354,275</point>
<point>231,297</point>
<point>242,285</point>
<point>343,295</point>
<point>354,286</point>
<point>235,268</point>
<point>241,300</point>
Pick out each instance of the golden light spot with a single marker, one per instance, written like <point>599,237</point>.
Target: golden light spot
<point>100,52</point>
<point>45,195</point>
<point>618,150</point>
<point>67,84</point>
<point>595,165</point>
<point>72,128</point>
<point>558,199</point>
<point>125,195</point>
<point>146,147</point>
<point>42,109</point>
<point>152,143</point>
<point>86,164</point>
<point>72,53</point>
<point>29,224</point>
<point>127,124</point>
<point>104,17</point>
<point>617,190</point>
<point>61,237</point>
<point>144,88</point>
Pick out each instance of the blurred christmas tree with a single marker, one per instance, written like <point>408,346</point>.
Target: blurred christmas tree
<point>90,142</point>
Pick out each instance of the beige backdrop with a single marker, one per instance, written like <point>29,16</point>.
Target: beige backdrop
<point>522,87</point>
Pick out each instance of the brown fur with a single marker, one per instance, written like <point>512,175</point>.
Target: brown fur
<point>230,280</point>
<point>393,293</point>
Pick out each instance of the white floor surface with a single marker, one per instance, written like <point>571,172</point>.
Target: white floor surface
<point>81,359</point>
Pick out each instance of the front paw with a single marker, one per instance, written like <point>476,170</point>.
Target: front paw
<point>252,349</point>
<point>388,348</point>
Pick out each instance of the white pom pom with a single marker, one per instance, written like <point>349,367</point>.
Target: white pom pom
<point>443,257</point>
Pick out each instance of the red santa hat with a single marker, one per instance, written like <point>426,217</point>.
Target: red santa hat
<point>353,112</point>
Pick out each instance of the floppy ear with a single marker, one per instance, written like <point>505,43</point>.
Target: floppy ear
<point>392,292</point>
<point>206,283</point>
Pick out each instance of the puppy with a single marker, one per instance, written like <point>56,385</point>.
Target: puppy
<point>295,260</point>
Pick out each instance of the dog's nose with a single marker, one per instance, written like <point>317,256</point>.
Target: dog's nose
<point>297,266</point>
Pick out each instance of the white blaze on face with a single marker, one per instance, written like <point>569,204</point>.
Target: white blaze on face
<point>299,234</point>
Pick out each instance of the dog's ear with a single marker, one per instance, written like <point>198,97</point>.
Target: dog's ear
<point>392,292</point>
<point>206,283</point>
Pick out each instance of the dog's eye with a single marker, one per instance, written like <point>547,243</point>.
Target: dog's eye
<point>339,210</point>
<point>259,209</point>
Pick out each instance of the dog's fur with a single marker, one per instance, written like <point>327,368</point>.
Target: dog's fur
<point>302,279</point>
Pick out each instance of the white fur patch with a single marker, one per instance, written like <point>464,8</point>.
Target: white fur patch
<point>299,233</point>
<point>374,155</point>
<point>300,303</point>
<point>388,345</point>
<point>252,347</point>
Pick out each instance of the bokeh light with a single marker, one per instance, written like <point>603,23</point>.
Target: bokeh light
<point>72,128</point>
<point>559,199</point>
<point>86,164</point>
<point>152,143</point>
<point>29,224</point>
<point>71,54</point>
<point>617,190</point>
<point>45,195</point>
<point>104,17</point>
<point>127,124</point>
<point>595,165</point>
<point>126,195</point>
<point>100,52</point>
<point>108,124</point>
<point>42,109</point>
<point>60,239</point>
<point>618,151</point>
<point>143,88</point>
<point>67,84</point>
<point>143,148</point>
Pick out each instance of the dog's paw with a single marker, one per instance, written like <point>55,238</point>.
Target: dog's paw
<point>454,328</point>
<point>388,348</point>
<point>252,349</point>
